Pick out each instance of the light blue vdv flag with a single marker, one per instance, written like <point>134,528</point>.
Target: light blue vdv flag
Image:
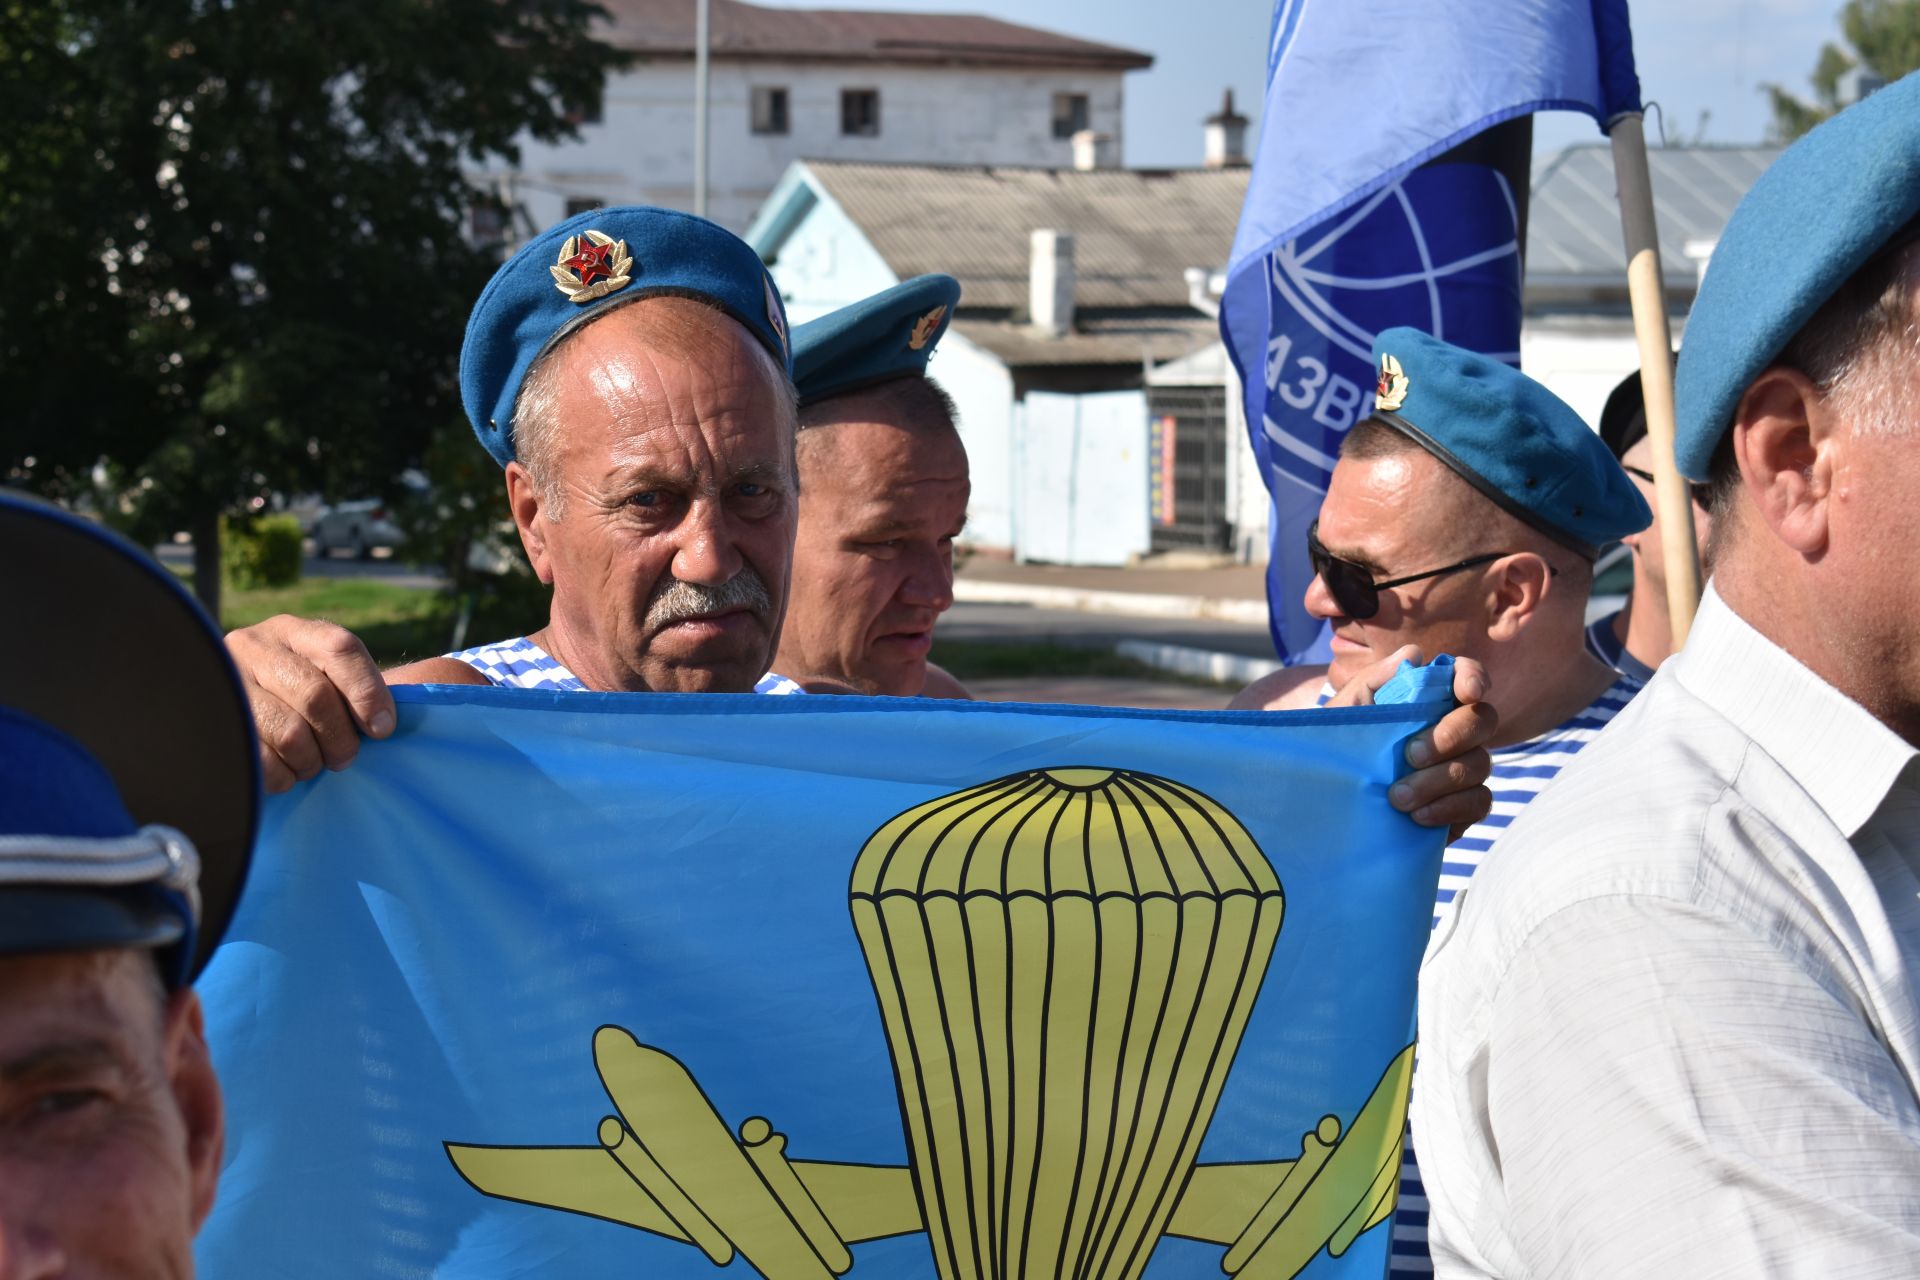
<point>612,985</point>
<point>1344,233</point>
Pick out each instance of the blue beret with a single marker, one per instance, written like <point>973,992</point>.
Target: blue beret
<point>1507,436</point>
<point>596,260</point>
<point>1825,207</point>
<point>890,335</point>
<point>127,805</point>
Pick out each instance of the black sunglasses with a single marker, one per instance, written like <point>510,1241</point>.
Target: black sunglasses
<point>1702,494</point>
<point>1352,585</point>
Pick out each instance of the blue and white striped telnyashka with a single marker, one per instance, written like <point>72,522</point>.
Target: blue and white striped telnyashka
<point>521,664</point>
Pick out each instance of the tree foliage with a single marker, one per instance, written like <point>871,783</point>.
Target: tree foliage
<point>1881,35</point>
<point>233,235</point>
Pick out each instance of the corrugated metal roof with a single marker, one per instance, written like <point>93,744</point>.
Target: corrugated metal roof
<point>1573,223</point>
<point>1095,340</point>
<point>740,30</point>
<point>1135,231</point>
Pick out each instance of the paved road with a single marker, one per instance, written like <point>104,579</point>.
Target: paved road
<point>1004,622</point>
<point>385,568</point>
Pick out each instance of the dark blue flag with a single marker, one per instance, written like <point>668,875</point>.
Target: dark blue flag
<point>1365,211</point>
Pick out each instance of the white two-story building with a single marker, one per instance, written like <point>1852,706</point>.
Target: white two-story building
<point>949,89</point>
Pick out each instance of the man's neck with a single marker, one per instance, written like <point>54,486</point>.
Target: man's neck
<point>1774,600</point>
<point>1648,633</point>
<point>1547,690</point>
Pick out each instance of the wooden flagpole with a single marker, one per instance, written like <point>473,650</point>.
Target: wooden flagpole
<point>1646,287</point>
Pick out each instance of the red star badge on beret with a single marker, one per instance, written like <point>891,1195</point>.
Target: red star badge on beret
<point>592,262</point>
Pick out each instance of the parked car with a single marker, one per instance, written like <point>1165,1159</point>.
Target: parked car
<point>357,527</point>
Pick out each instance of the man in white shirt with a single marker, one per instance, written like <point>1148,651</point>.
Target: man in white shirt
<point>1674,1027</point>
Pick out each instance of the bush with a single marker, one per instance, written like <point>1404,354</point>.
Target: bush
<point>261,552</point>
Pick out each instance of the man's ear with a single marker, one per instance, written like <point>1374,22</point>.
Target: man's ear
<point>523,499</point>
<point>196,1091</point>
<point>1519,587</point>
<point>1783,437</point>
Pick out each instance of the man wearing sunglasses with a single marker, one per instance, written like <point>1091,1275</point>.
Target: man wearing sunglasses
<point>1464,517</point>
<point>1639,636</point>
<point>1675,1029</point>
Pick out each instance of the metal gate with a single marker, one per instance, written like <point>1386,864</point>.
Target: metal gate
<point>1187,468</point>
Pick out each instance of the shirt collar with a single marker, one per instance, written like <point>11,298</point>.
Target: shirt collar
<point>1832,746</point>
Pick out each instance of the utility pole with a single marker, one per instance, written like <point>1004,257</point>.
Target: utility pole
<point>702,39</point>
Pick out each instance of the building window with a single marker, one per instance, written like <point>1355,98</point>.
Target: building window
<point>486,223</point>
<point>1069,114</point>
<point>581,204</point>
<point>860,113</point>
<point>769,109</point>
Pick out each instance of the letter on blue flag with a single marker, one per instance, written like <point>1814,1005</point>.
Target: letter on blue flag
<point>1344,233</point>
<point>597,985</point>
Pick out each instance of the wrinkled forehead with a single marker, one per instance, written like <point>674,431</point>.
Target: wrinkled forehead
<point>668,370</point>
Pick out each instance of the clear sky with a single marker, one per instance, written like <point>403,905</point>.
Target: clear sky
<point>1695,57</point>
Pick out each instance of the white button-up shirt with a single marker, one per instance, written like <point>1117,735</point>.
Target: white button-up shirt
<point>1674,1029</point>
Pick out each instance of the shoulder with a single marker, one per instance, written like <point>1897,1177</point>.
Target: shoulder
<point>1287,689</point>
<point>435,671</point>
<point>1634,814</point>
<point>940,684</point>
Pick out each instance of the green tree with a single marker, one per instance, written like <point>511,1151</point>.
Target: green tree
<point>1881,35</point>
<point>234,261</point>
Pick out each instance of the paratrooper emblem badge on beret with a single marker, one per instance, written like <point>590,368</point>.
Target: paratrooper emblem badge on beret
<point>591,266</point>
<point>1391,393</point>
<point>924,327</point>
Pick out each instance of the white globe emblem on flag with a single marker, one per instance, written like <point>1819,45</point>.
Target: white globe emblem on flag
<point>1438,250</point>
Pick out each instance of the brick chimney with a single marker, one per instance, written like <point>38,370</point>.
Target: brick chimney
<point>1093,150</point>
<point>1227,137</point>
<point>1050,284</point>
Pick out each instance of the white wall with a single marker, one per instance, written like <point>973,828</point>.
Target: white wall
<point>827,263</point>
<point>982,390</point>
<point>1580,359</point>
<point>1081,478</point>
<point>642,151</point>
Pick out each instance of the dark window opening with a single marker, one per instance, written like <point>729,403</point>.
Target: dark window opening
<point>1070,114</point>
<point>860,113</point>
<point>770,110</point>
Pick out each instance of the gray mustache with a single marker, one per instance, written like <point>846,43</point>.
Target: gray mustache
<point>677,601</point>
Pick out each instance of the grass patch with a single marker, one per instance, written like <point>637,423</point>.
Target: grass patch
<point>397,624</point>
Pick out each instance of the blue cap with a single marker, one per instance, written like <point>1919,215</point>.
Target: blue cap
<point>128,804</point>
<point>591,262</point>
<point>76,872</point>
<point>890,335</point>
<point>1823,209</point>
<point>1507,436</point>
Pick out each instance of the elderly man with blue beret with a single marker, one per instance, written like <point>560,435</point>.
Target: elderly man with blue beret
<point>127,812</point>
<point>1464,517</point>
<point>1675,1030</point>
<point>630,370</point>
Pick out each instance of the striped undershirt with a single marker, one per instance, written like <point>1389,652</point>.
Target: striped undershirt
<point>521,664</point>
<point>1520,772</point>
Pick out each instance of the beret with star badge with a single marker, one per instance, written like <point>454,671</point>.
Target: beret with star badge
<point>1821,212</point>
<point>595,261</point>
<point>1507,436</point>
<point>890,335</point>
